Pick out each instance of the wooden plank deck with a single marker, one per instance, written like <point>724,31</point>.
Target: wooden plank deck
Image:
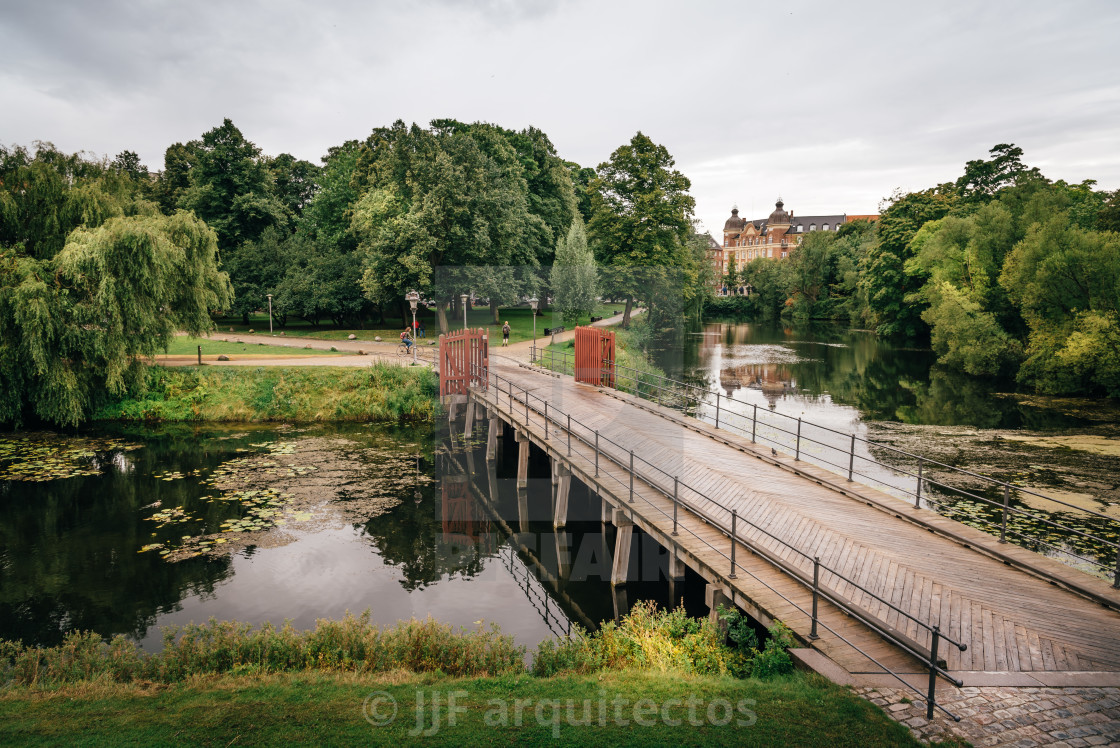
<point>1010,619</point>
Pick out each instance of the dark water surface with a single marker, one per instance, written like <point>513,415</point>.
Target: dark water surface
<point>896,400</point>
<point>399,534</point>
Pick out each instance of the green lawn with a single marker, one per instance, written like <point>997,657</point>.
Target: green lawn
<point>520,321</point>
<point>185,345</point>
<point>622,708</point>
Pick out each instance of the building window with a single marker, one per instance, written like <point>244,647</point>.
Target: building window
<point>825,227</point>
<point>800,228</point>
<point>812,227</point>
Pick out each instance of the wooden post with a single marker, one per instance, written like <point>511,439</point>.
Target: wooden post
<point>676,564</point>
<point>623,538</point>
<point>523,509</point>
<point>492,437</point>
<point>715,596</point>
<point>522,439</point>
<point>563,488</point>
<point>468,429</point>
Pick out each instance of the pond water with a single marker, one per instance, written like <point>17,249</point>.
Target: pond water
<point>896,399</point>
<point>125,531</point>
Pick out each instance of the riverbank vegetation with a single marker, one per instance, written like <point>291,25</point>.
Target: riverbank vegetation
<point>208,677</point>
<point>376,393</point>
<point>1005,272</point>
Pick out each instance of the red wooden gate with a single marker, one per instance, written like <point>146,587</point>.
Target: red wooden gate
<point>463,361</point>
<point>595,356</point>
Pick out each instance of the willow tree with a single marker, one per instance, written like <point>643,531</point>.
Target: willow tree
<point>77,326</point>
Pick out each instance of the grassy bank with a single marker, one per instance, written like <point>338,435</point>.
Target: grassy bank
<point>655,678</point>
<point>376,393</point>
<point>615,708</point>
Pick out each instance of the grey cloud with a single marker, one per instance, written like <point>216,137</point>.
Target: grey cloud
<point>835,105</point>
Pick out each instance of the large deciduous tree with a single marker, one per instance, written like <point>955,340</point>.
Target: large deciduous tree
<point>441,211</point>
<point>641,221</point>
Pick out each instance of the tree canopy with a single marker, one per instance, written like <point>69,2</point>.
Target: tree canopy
<point>641,223</point>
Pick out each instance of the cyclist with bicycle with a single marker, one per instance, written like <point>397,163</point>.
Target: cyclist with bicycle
<point>406,339</point>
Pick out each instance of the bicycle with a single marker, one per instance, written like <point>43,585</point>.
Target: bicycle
<point>404,351</point>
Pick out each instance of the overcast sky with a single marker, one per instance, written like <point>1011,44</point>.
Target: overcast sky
<point>833,105</point>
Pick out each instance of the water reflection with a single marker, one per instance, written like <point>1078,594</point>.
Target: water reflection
<point>459,542</point>
<point>811,368</point>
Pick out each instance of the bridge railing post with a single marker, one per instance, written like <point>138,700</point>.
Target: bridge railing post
<point>717,409</point>
<point>545,420</point>
<point>754,422</point>
<point>930,697</point>
<point>918,493</point>
<point>797,448</point>
<point>816,592</point>
<point>676,481</point>
<point>569,435</point>
<point>631,476</point>
<point>1116,573</point>
<point>852,457</point>
<point>1003,521</point>
<point>734,522</point>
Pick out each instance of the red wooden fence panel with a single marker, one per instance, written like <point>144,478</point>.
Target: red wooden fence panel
<point>595,356</point>
<point>463,361</point>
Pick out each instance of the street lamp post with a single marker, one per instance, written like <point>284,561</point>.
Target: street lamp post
<point>269,314</point>
<point>412,297</point>
<point>463,298</point>
<point>533,304</point>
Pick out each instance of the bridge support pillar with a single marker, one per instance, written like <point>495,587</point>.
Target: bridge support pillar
<point>625,534</point>
<point>563,542</point>
<point>468,429</point>
<point>563,487</point>
<point>522,439</point>
<point>715,596</point>
<point>676,564</point>
<point>523,509</point>
<point>492,433</point>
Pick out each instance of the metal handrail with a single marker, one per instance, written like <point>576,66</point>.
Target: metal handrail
<point>832,596</point>
<point>647,380</point>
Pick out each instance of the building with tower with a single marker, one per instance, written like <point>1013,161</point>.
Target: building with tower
<point>772,237</point>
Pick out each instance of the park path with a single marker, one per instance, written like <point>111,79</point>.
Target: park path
<point>373,351</point>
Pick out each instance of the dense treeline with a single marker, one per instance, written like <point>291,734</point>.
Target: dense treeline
<point>101,260</point>
<point>1006,272</point>
<point>93,278</point>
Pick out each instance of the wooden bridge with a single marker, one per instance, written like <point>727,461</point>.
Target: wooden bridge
<point>893,588</point>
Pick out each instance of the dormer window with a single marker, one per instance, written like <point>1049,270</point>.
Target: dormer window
<point>812,227</point>
<point>800,228</point>
<point>825,227</point>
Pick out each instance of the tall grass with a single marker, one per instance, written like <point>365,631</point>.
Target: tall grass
<point>646,639</point>
<point>352,644</point>
<point>669,641</point>
<point>377,393</point>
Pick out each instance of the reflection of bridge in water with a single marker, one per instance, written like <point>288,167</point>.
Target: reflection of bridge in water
<point>866,582</point>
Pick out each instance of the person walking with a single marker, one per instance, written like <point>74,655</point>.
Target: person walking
<point>505,334</point>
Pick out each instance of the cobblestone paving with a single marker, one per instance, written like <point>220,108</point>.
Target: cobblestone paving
<point>1011,716</point>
